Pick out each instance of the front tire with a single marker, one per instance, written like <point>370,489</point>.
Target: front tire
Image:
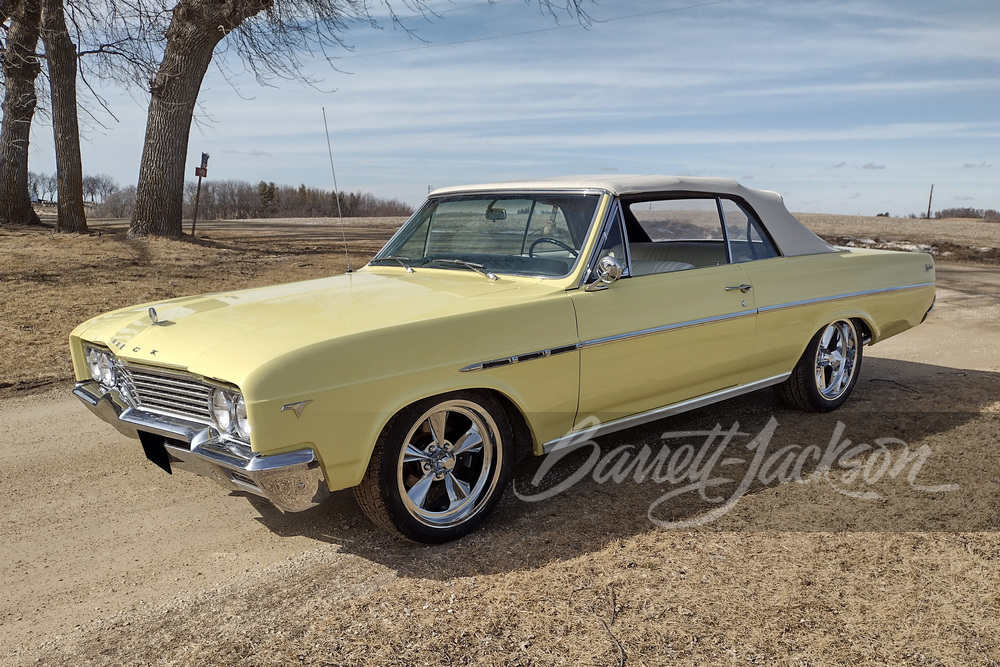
<point>826,374</point>
<point>439,467</point>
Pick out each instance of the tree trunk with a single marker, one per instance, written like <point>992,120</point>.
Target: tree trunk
<point>20,68</point>
<point>196,27</point>
<point>61,55</point>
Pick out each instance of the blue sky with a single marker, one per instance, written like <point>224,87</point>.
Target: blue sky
<point>843,107</point>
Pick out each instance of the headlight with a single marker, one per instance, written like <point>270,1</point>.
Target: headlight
<point>107,367</point>
<point>242,423</point>
<point>101,365</point>
<point>222,409</point>
<point>93,363</point>
<point>229,412</point>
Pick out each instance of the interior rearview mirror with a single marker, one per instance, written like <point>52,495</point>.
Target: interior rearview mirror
<point>495,214</point>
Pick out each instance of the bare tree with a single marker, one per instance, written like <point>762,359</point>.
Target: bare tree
<point>47,184</point>
<point>105,186</point>
<point>118,203</point>
<point>270,36</point>
<point>20,68</point>
<point>34,185</point>
<point>60,53</point>
<point>90,185</point>
<point>98,186</point>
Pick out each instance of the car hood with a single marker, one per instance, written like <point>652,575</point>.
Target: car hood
<point>226,335</point>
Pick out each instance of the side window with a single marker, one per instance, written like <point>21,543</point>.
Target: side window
<point>675,235</point>
<point>679,219</point>
<point>746,240</point>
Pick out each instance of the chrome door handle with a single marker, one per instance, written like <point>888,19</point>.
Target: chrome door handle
<point>743,288</point>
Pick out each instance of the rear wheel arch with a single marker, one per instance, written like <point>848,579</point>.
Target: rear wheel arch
<point>828,370</point>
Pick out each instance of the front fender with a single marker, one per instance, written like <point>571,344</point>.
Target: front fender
<point>336,396</point>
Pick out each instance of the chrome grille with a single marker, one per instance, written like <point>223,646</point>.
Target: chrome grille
<point>166,393</point>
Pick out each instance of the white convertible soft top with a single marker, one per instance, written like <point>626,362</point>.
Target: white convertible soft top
<point>791,236</point>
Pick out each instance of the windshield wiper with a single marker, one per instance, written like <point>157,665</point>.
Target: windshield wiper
<point>478,268</point>
<point>395,258</point>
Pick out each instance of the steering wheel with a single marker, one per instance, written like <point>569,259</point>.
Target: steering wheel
<point>546,239</point>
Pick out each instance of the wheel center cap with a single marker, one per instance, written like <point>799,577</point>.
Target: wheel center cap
<point>442,460</point>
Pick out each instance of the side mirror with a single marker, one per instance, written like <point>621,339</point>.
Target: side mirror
<point>608,271</point>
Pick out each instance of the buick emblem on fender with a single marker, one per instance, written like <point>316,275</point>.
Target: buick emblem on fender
<point>153,318</point>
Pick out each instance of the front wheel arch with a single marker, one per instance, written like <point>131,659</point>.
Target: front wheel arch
<point>439,466</point>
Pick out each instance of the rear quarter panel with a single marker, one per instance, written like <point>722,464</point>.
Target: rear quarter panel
<point>796,296</point>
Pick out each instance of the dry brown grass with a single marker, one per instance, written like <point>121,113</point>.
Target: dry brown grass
<point>52,282</point>
<point>796,574</point>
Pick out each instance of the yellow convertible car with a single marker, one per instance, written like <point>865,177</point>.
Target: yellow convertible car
<point>497,320</point>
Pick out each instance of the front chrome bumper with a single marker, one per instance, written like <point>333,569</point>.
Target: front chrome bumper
<point>293,481</point>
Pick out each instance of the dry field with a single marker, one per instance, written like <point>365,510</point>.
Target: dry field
<point>108,561</point>
<point>52,282</point>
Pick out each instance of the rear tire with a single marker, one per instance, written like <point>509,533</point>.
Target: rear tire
<point>439,467</point>
<point>826,374</point>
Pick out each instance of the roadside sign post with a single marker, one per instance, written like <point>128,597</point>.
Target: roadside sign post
<point>201,172</point>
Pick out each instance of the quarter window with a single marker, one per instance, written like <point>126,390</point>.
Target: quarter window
<point>746,238</point>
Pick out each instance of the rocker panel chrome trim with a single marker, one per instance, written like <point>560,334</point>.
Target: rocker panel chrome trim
<point>666,411</point>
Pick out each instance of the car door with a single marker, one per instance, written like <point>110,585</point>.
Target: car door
<point>668,330</point>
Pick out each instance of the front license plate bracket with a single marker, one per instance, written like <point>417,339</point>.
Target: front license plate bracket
<point>156,451</point>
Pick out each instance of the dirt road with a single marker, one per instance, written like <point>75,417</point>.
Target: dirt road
<point>107,560</point>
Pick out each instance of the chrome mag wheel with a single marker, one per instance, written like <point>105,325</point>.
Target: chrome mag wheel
<point>450,463</point>
<point>836,359</point>
<point>827,371</point>
<point>439,467</point>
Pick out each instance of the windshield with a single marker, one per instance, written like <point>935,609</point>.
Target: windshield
<point>520,234</point>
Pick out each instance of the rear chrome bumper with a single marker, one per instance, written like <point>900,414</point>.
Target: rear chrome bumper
<point>293,481</point>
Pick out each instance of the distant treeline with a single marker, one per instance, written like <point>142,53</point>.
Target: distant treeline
<point>987,214</point>
<point>234,200</point>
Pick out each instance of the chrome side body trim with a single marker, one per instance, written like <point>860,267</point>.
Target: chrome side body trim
<point>666,327</point>
<point>808,302</point>
<point>542,354</point>
<point>518,358</point>
<point>660,413</point>
<point>292,481</point>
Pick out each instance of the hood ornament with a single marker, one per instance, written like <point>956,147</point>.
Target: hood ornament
<point>153,317</point>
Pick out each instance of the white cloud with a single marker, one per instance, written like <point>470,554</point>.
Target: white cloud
<point>780,90</point>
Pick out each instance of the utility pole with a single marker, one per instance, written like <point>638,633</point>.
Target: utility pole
<point>929,200</point>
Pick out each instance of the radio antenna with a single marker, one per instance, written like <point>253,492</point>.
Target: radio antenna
<point>336,192</point>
